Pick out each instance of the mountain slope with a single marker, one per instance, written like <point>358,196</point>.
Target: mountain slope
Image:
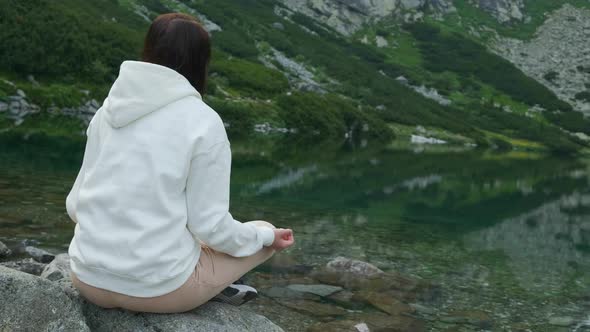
<point>279,67</point>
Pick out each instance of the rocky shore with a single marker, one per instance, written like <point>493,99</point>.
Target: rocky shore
<point>18,107</point>
<point>343,295</point>
<point>49,302</point>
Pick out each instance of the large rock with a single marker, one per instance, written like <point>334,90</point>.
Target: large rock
<point>209,317</point>
<point>39,255</point>
<point>31,303</point>
<point>348,16</point>
<point>58,269</point>
<point>503,10</point>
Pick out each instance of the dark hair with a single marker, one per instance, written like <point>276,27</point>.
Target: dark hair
<point>179,42</point>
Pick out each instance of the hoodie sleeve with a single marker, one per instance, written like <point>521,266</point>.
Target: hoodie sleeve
<point>209,220</point>
<point>72,198</point>
<point>89,154</point>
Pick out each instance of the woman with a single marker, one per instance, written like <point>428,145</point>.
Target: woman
<point>153,232</point>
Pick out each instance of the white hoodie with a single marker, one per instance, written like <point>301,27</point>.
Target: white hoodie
<point>154,181</point>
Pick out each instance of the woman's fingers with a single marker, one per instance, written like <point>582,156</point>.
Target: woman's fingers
<point>283,238</point>
<point>287,234</point>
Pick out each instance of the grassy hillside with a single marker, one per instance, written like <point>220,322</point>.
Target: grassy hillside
<point>74,48</point>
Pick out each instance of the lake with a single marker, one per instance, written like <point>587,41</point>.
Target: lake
<point>498,241</point>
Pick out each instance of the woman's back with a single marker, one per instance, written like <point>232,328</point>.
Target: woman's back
<point>131,205</point>
<point>151,200</point>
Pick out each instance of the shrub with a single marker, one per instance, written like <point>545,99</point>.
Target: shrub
<point>584,95</point>
<point>330,117</point>
<point>551,76</point>
<point>237,115</point>
<point>66,39</point>
<point>55,95</point>
<point>250,77</point>
<point>571,121</point>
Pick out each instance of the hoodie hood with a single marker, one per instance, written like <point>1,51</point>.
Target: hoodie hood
<point>142,88</point>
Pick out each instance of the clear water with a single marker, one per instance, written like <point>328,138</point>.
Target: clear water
<point>505,237</point>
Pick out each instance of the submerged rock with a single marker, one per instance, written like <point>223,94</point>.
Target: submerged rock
<point>30,303</point>
<point>339,326</point>
<point>356,267</point>
<point>385,302</point>
<point>318,289</point>
<point>286,293</point>
<point>561,321</point>
<point>39,255</point>
<point>405,288</point>
<point>383,322</point>
<point>313,308</point>
<point>473,317</point>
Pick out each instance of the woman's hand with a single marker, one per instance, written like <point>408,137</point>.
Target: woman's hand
<point>283,239</point>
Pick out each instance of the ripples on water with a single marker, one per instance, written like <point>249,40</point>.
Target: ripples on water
<point>506,236</point>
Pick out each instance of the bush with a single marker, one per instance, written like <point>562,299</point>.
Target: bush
<point>237,115</point>
<point>571,121</point>
<point>236,43</point>
<point>584,95</point>
<point>250,77</point>
<point>330,117</point>
<point>55,95</point>
<point>551,76</point>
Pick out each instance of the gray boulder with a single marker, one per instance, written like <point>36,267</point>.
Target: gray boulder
<point>4,251</point>
<point>38,298</point>
<point>39,255</point>
<point>30,303</point>
<point>209,317</point>
<point>58,269</point>
<point>27,265</point>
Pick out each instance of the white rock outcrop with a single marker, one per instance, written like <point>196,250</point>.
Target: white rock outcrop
<point>558,56</point>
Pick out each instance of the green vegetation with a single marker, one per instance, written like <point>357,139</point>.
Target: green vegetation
<point>74,49</point>
<point>468,15</point>
<point>573,121</point>
<point>551,76</point>
<point>452,52</point>
<point>45,124</point>
<point>251,78</point>
<point>337,117</point>
<point>69,40</point>
<point>584,95</point>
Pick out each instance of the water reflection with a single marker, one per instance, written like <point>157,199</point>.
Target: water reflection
<point>506,234</point>
<point>548,246</point>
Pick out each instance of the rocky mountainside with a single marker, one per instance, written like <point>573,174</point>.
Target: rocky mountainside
<point>350,71</point>
<point>558,56</point>
<point>348,16</point>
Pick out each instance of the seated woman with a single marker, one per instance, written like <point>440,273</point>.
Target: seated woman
<point>153,231</point>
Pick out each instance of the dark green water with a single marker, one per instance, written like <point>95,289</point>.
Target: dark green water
<point>507,236</point>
